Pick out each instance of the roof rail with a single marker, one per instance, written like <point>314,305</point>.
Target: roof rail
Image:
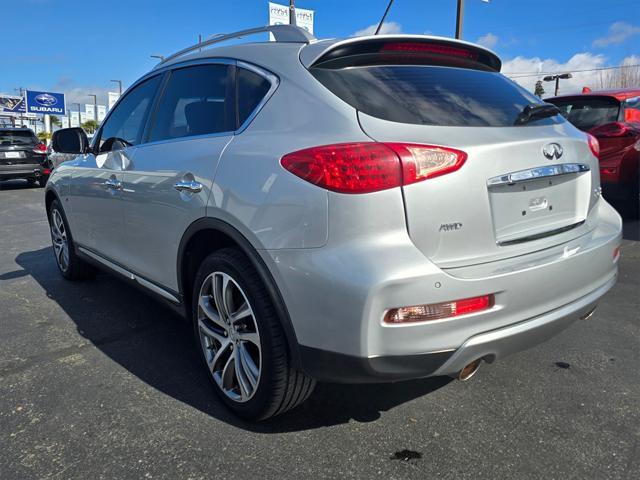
<point>282,33</point>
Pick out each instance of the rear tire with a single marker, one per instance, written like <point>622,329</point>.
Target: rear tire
<point>235,323</point>
<point>70,265</point>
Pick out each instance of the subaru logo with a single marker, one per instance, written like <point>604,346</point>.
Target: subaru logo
<point>552,150</point>
<point>46,100</point>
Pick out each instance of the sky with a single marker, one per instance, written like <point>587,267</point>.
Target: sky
<point>78,46</point>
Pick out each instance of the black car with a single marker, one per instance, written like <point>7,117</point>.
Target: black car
<point>23,155</point>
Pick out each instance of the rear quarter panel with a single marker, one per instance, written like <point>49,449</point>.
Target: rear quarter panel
<point>273,208</point>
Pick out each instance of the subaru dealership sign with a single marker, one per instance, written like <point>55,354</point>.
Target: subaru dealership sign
<point>45,103</point>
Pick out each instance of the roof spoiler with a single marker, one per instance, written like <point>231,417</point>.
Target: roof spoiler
<point>327,52</point>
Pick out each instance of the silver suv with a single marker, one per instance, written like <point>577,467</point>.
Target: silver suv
<point>371,209</point>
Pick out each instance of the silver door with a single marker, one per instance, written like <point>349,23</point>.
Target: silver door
<point>96,184</point>
<point>96,206</point>
<point>167,185</point>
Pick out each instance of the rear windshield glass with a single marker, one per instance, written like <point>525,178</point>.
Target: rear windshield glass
<point>431,95</point>
<point>588,112</point>
<point>17,137</point>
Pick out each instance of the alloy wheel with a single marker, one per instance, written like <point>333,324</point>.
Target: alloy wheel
<point>59,240</point>
<point>229,336</point>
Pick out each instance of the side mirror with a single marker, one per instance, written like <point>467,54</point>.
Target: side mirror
<point>70,140</point>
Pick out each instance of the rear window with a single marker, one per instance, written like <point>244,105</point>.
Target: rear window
<point>17,137</point>
<point>431,95</point>
<point>588,112</point>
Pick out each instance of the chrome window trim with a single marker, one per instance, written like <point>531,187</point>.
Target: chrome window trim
<point>271,78</point>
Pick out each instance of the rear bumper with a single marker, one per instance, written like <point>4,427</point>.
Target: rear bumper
<point>337,297</point>
<point>497,344</point>
<point>489,346</point>
<point>21,171</point>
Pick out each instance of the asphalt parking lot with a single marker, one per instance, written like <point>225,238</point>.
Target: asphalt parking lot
<point>99,381</point>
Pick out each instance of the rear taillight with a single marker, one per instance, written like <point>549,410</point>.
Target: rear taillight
<point>594,145</point>
<point>369,166</point>
<point>420,162</point>
<point>439,311</point>
<point>40,149</point>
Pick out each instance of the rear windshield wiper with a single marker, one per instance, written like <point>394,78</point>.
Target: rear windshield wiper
<point>536,111</point>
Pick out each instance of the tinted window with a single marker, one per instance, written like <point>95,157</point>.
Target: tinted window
<point>251,90</point>
<point>194,103</point>
<point>125,125</point>
<point>588,112</point>
<point>17,137</point>
<point>431,95</point>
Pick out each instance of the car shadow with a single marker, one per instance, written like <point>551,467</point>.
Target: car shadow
<point>157,346</point>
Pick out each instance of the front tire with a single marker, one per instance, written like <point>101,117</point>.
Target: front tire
<point>241,340</point>
<point>70,265</point>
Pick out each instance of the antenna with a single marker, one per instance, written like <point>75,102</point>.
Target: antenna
<point>383,17</point>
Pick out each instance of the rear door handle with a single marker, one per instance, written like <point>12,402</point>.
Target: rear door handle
<point>112,184</point>
<point>189,187</point>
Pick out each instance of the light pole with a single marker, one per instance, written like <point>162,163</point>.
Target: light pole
<point>551,78</point>
<point>79,116</point>
<point>95,106</point>
<point>119,82</point>
<point>460,17</point>
<point>292,13</point>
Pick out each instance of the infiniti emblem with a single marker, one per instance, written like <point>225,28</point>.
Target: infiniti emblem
<point>552,150</point>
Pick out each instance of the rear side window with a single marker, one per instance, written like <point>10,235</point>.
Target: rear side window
<point>588,112</point>
<point>251,90</point>
<point>17,137</point>
<point>431,95</point>
<point>195,102</point>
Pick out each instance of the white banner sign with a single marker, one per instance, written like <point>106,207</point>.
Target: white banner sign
<point>279,15</point>
<point>64,122</point>
<point>90,111</point>
<point>113,98</point>
<point>102,112</point>
<point>73,119</point>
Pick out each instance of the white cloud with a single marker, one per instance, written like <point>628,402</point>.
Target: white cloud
<point>618,33</point>
<point>387,27</point>
<point>580,61</point>
<point>489,40</point>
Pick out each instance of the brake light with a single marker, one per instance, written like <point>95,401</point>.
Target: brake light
<point>40,149</point>
<point>369,166</point>
<point>438,311</point>
<point>415,47</point>
<point>594,145</point>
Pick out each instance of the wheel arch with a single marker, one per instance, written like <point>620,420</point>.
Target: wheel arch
<point>206,235</point>
<point>49,196</point>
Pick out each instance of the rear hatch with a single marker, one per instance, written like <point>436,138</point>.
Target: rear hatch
<point>526,184</point>
<point>17,147</point>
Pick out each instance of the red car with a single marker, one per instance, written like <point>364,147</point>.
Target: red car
<point>613,117</point>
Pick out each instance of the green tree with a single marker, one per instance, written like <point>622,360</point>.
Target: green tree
<point>55,121</point>
<point>539,89</point>
<point>90,126</point>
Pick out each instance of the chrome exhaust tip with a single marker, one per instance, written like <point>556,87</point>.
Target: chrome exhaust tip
<point>469,370</point>
<point>589,314</point>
